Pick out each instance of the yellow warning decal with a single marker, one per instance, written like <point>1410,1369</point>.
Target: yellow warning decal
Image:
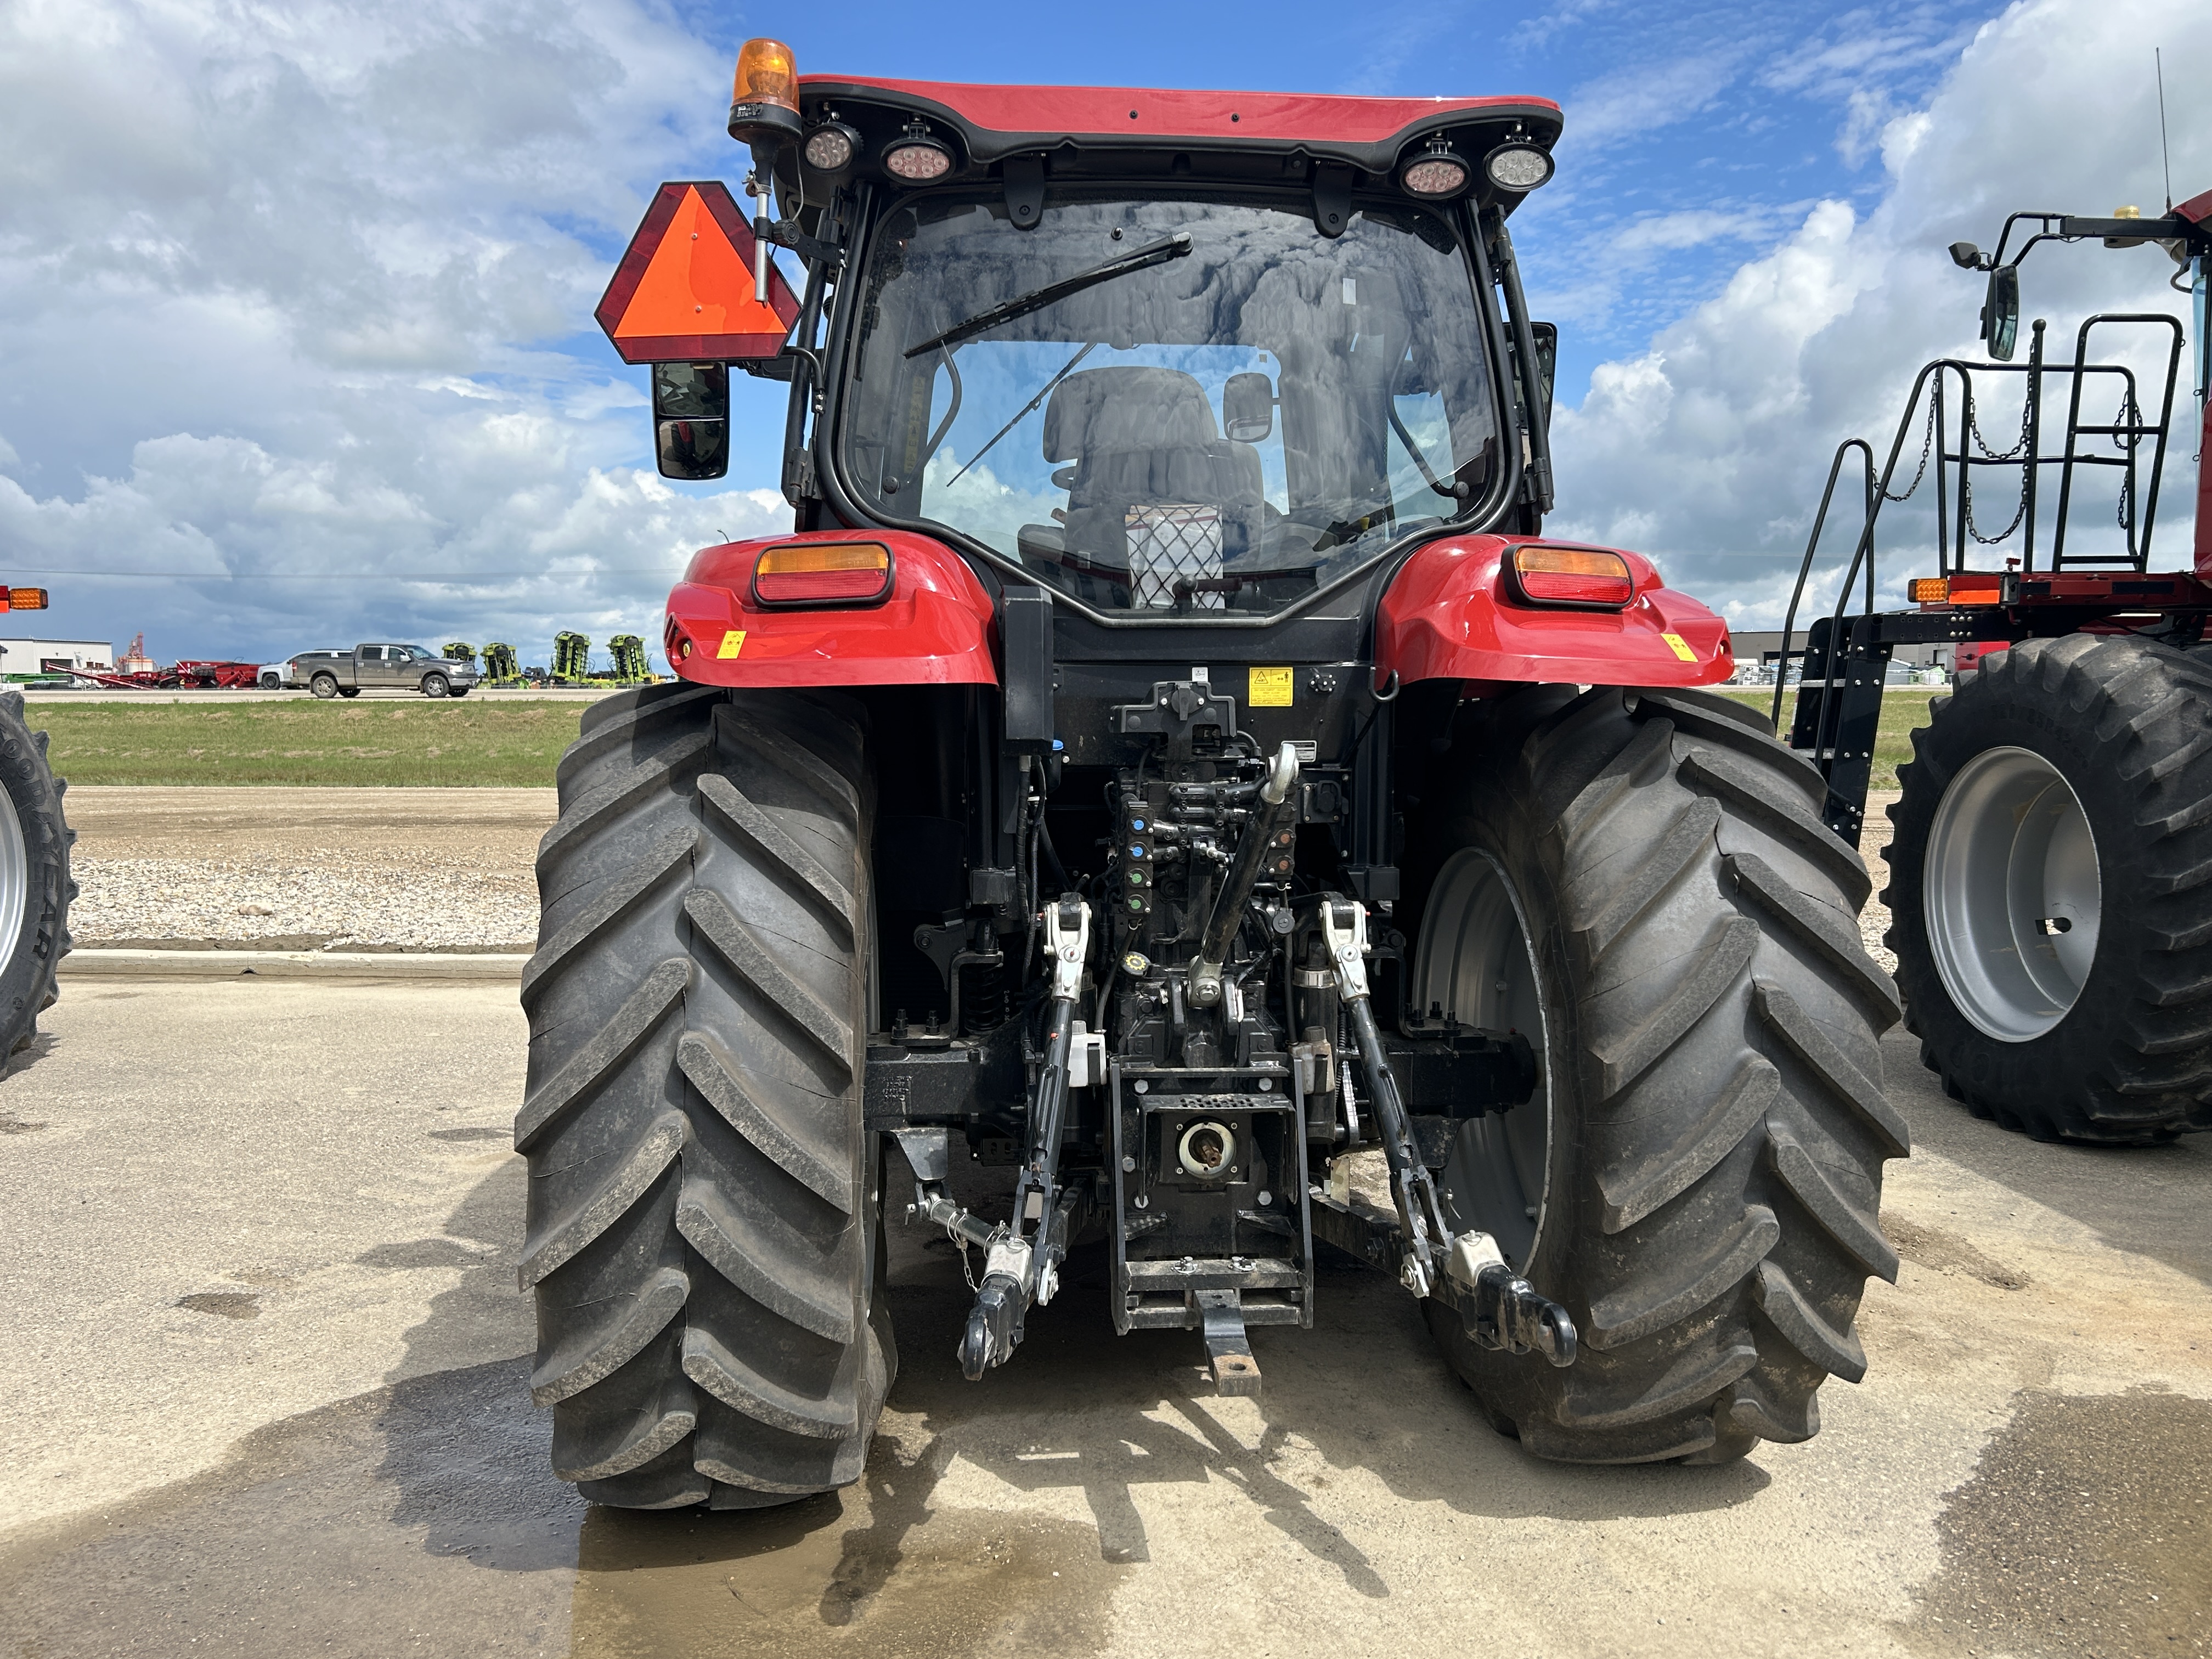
<point>1681,648</point>
<point>1271,688</point>
<point>733,641</point>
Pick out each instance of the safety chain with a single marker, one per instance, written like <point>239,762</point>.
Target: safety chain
<point>1927,445</point>
<point>2019,452</point>
<point>2126,442</point>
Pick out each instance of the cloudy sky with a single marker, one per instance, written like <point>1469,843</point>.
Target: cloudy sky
<point>295,343</point>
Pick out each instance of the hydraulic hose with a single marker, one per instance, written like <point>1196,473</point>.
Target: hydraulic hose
<point>1273,812</point>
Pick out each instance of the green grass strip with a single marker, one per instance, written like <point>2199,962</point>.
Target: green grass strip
<point>465,743</point>
<point>1904,710</point>
<point>453,744</point>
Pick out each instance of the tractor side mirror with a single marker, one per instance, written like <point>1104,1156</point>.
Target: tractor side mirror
<point>2001,313</point>
<point>1247,407</point>
<point>1545,336</point>
<point>691,419</point>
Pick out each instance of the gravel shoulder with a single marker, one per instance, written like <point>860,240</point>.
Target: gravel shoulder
<point>381,869</point>
<point>307,869</point>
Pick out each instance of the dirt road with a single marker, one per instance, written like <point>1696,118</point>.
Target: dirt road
<point>265,1394</point>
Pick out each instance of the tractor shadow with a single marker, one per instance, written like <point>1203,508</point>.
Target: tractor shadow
<point>1033,1493</point>
<point>2148,1201</point>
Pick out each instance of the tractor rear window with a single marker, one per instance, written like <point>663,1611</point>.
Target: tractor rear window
<point>1173,405</point>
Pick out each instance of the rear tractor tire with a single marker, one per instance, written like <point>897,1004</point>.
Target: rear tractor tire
<point>704,1228</point>
<point>35,889</point>
<point>1639,882</point>
<point>2051,889</point>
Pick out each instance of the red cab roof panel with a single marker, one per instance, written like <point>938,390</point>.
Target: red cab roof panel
<point>997,121</point>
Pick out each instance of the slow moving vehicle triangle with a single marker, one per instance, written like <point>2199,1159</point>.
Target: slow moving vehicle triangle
<point>683,291</point>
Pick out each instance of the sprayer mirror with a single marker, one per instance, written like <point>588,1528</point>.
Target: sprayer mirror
<point>691,419</point>
<point>2001,316</point>
<point>1247,407</point>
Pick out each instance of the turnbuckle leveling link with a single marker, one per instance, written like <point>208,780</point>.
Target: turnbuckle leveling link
<point>1498,1307</point>
<point>1344,932</point>
<point>1021,1262</point>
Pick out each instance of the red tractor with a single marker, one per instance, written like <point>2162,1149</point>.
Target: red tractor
<point>2050,866</point>
<point>1165,757</point>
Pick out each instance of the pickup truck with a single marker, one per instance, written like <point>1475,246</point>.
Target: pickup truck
<point>382,667</point>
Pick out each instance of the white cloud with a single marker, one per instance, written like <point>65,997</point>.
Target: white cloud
<point>299,290</point>
<point>1708,448</point>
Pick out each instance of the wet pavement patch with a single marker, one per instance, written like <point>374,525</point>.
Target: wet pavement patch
<point>473,1134</point>
<point>874,1570</point>
<point>419,1518</point>
<point>229,1304</point>
<point>2086,1530</point>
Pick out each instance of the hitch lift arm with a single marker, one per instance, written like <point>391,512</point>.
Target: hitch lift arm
<point>1498,1307</point>
<point>1021,1262</point>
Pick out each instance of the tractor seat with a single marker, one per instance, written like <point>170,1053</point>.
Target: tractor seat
<point>1145,438</point>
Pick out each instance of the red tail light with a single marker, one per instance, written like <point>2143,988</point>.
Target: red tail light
<point>1572,575</point>
<point>823,572</point>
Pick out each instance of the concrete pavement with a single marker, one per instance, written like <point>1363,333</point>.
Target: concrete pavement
<point>265,1394</point>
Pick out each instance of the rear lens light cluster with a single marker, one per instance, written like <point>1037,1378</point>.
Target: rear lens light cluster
<point>1573,575</point>
<point>823,572</point>
<point>1984,588</point>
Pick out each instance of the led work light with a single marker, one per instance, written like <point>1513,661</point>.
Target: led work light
<point>917,157</point>
<point>1435,173</point>
<point>831,147</point>
<point>1517,166</point>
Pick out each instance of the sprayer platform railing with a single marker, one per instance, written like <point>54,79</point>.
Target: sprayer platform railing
<point>1846,655</point>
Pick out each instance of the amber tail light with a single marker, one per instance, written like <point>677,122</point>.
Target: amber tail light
<point>1572,575</point>
<point>824,573</point>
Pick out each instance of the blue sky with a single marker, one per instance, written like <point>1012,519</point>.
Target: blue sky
<point>295,300</point>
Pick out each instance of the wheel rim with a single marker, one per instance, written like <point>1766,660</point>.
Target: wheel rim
<point>1474,963</point>
<point>14,880</point>
<point>2012,895</point>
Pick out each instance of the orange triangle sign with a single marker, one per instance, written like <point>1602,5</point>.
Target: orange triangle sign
<point>683,291</point>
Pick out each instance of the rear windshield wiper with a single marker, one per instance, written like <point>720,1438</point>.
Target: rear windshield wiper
<point>1174,247</point>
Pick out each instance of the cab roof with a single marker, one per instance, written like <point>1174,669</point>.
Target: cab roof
<point>991,123</point>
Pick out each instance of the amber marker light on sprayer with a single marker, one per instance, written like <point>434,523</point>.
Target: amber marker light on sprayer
<point>823,573</point>
<point>1573,575</point>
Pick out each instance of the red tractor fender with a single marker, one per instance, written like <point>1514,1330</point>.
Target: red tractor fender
<point>935,628</point>
<point>1452,614</point>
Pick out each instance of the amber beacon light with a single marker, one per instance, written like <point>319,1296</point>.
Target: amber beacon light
<point>764,96</point>
<point>823,574</point>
